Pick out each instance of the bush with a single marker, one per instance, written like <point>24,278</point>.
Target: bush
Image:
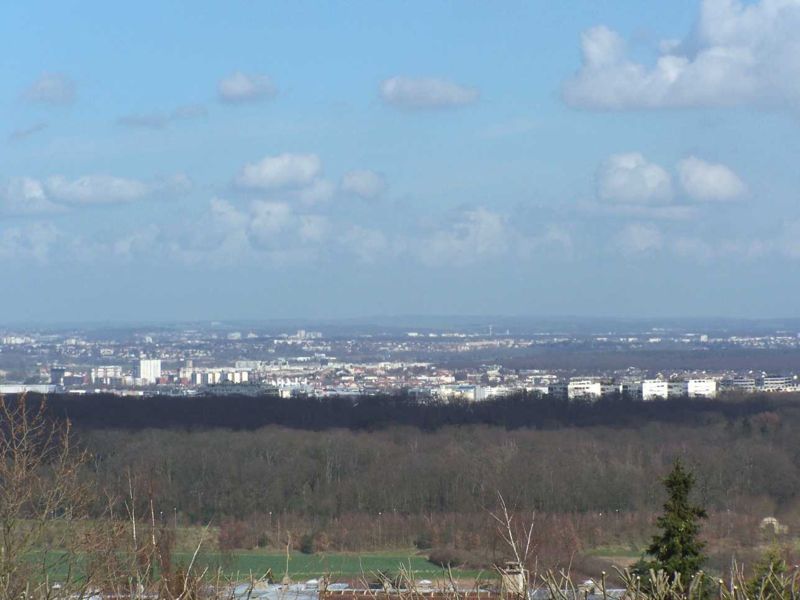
<point>311,543</point>
<point>423,541</point>
<point>233,535</point>
<point>452,557</point>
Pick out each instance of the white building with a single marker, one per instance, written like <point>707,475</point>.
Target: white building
<point>584,388</point>
<point>655,389</point>
<point>148,370</point>
<point>590,388</point>
<point>473,393</point>
<point>774,383</point>
<point>631,389</point>
<point>676,389</point>
<point>701,388</point>
<point>106,373</point>
<point>25,388</point>
<point>746,385</point>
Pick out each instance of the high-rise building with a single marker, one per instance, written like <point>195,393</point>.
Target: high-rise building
<point>148,370</point>
<point>57,375</point>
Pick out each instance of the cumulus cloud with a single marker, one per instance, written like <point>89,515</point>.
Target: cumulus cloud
<point>271,233</point>
<point>313,228</point>
<point>29,242</point>
<point>661,212</point>
<point>26,196</point>
<point>241,87</point>
<point>788,241</point>
<point>367,245</point>
<point>159,120</point>
<point>478,234</point>
<point>426,93</point>
<point>706,250</point>
<point>364,183</point>
<point>137,242</point>
<point>283,233</point>
<point>51,88</point>
<point>639,238</point>
<point>316,192</point>
<point>95,189</point>
<point>631,179</point>
<point>739,54</point>
<point>280,171</point>
<point>269,218</point>
<point>709,182</point>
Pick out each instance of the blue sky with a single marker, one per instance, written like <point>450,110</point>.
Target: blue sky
<point>198,160</point>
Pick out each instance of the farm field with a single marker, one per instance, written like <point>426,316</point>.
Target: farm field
<point>343,566</point>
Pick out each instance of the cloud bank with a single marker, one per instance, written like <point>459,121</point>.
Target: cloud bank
<point>738,54</point>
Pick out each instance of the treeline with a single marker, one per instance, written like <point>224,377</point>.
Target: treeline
<point>392,472</point>
<point>749,464</point>
<point>238,412</point>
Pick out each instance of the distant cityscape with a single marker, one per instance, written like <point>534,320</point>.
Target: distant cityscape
<point>470,365</point>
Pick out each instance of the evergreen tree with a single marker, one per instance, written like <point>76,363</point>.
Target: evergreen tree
<point>677,549</point>
<point>768,580</point>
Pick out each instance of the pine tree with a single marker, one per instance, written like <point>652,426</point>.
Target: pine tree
<point>677,549</point>
<point>768,574</point>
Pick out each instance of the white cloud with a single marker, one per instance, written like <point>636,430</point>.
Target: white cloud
<point>426,93</point>
<point>268,233</point>
<point>26,196</point>
<point>790,240</point>
<point>313,228</point>
<point>368,245</point>
<point>51,88</point>
<point>631,179</point>
<point>317,192</point>
<point>738,55</point>
<point>159,120</point>
<point>705,181</point>
<point>224,213</point>
<point>364,183</point>
<point>661,212</point>
<point>706,250</point>
<point>280,171</point>
<point>137,242</point>
<point>95,189</point>
<point>268,219</point>
<point>554,237</point>
<point>30,242</point>
<point>481,234</point>
<point>477,234</point>
<point>639,238</point>
<point>241,87</point>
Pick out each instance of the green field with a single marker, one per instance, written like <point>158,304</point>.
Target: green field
<point>338,566</point>
<point>306,566</point>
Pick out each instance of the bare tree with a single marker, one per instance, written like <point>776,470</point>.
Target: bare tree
<point>42,501</point>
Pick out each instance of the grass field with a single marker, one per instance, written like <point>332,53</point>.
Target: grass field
<point>347,566</point>
<point>339,565</point>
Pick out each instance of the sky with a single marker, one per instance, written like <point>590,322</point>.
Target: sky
<point>254,160</point>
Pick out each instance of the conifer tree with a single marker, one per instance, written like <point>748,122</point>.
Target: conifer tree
<point>677,549</point>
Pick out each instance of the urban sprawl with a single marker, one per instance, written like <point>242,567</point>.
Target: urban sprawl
<point>447,365</point>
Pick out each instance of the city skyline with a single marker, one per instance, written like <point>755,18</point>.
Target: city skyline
<point>174,162</point>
